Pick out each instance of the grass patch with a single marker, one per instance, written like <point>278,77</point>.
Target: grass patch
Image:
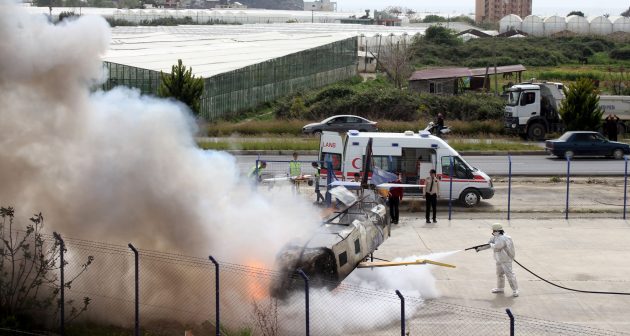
<point>461,145</point>
<point>256,127</point>
<point>294,127</point>
<point>303,144</point>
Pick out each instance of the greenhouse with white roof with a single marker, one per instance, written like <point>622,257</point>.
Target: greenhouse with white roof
<point>240,70</point>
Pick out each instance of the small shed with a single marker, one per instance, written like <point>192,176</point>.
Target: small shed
<point>438,80</point>
<point>456,80</point>
<point>367,61</point>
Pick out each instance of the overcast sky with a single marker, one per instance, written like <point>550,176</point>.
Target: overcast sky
<point>540,7</point>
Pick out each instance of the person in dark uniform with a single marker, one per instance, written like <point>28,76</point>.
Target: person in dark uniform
<point>394,197</point>
<point>431,192</point>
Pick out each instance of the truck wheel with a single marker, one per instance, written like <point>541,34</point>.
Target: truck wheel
<point>470,198</point>
<point>536,131</point>
<point>618,153</point>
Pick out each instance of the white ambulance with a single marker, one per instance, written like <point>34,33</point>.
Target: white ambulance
<point>411,154</point>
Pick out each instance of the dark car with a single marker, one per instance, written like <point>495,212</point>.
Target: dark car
<point>341,123</point>
<point>583,143</point>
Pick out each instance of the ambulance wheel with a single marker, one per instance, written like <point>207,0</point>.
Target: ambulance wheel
<point>470,198</point>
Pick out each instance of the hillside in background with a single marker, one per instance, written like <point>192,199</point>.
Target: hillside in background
<point>274,4</point>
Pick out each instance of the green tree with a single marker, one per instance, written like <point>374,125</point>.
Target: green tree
<point>433,18</point>
<point>183,86</point>
<point>626,13</point>
<point>578,13</point>
<point>298,109</point>
<point>580,108</point>
<point>441,35</point>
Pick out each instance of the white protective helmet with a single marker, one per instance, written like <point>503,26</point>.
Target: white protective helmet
<point>497,227</point>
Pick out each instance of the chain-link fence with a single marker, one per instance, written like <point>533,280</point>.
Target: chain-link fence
<point>568,189</point>
<point>169,294</point>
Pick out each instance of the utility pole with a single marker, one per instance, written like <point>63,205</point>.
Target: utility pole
<point>494,57</point>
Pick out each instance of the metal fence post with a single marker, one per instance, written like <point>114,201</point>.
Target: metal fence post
<point>509,312</point>
<point>509,184</point>
<point>256,168</point>
<point>402,313</point>
<point>625,187</point>
<point>566,208</point>
<point>303,275</point>
<point>216,294</point>
<point>330,176</point>
<point>137,290</point>
<point>62,301</point>
<point>450,189</point>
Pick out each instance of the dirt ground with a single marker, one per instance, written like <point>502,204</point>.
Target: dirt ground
<point>536,197</point>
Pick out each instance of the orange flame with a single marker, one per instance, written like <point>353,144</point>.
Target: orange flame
<point>257,286</point>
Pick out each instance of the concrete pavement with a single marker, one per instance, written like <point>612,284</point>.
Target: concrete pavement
<point>586,254</point>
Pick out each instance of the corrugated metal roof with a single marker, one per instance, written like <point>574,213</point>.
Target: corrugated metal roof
<point>436,73</point>
<point>500,69</point>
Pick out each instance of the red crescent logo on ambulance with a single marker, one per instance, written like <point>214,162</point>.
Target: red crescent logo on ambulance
<point>354,163</point>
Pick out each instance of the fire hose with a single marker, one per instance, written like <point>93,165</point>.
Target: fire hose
<point>551,283</point>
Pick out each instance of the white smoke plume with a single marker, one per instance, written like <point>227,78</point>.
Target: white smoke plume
<point>117,166</point>
<point>120,167</point>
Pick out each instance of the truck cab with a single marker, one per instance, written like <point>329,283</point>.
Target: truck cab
<point>532,109</point>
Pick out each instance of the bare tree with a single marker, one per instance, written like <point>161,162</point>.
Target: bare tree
<point>28,263</point>
<point>266,316</point>
<point>395,60</point>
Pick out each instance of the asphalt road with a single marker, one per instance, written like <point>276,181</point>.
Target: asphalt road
<point>522,165</point>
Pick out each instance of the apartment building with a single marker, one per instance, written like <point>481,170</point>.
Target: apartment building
<point>494,10</point>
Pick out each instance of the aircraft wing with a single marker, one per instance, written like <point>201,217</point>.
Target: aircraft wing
<point>347,184</point>
<point>367,264</point>
<point>288,178</point>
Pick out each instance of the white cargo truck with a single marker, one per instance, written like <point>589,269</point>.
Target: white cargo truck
<point>532,109</point>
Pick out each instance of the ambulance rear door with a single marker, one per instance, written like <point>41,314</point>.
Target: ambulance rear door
<point>331,153</point>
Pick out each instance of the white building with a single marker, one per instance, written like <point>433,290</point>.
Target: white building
<point>320,6</point>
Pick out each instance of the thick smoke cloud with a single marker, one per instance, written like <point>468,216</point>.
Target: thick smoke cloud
<point>120,167</point>
<point>117,166</point>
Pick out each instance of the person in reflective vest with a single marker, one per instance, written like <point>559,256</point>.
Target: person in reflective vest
<point>295,167</point>
<point>257,170</point>
<point>295,172</point>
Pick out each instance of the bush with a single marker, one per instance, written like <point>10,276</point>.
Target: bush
<point>379,100</point>
<point>29,299</point>
<point>467,107</point>
<point>567,76</point>
<point>530,51</point>
<point>620,53</point>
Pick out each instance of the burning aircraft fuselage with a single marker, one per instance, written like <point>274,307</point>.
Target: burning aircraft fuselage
<point>345,239</point>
